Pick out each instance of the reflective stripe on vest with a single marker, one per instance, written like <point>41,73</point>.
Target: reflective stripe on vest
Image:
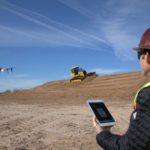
<point>135,99</point>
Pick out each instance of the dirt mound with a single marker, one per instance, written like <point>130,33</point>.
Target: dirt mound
<point>55,114</point>
<point>108,87</point>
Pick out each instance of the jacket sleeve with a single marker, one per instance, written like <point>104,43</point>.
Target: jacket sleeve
<point>137,136</point>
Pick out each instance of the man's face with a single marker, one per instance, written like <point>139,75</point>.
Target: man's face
<point>145,63</point>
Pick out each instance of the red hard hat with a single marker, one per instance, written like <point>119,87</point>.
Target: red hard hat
<point>145,41</point>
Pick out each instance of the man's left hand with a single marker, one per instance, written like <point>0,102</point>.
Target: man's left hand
<point>98,128</point>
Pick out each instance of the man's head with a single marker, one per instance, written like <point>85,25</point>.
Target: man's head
<point>143,52</point>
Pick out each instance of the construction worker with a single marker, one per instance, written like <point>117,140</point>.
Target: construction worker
<point>137,136</point>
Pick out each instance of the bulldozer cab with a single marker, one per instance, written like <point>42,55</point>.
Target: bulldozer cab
<point>75,70</point>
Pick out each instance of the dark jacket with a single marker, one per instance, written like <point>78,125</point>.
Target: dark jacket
<point>137,136</point>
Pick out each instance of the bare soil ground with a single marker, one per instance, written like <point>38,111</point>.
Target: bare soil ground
<point>55,116</point>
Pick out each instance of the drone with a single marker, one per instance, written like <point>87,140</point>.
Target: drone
<point>8,70</point>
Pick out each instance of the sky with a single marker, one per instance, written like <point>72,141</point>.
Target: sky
<point>43,39</point>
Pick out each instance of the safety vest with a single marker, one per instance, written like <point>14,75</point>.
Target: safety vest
<point>135,99</point>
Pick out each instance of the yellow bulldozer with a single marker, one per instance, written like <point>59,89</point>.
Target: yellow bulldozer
<point>79,74</point>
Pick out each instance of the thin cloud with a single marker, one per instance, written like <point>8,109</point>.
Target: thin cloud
<point>65,77</point>
<point>87,10</point>
<point>119,21</point>
<point>13,84</point>
<point>72,35</point>
<point>20,75</point>
<point>34,20</point>
<point>102,71</point>
<point>64,27</point>
<point>30,38</point>
<point>116,24</point>
<point>124,26</point>
<point>25,38</point>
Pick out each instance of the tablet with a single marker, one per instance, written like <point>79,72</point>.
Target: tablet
<point>104,117</point>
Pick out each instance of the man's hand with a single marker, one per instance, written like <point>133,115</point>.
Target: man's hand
<point>98,128</point>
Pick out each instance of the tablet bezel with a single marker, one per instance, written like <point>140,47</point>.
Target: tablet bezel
<point>100,123</point>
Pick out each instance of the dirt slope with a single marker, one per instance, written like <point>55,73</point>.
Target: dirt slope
<point>110,87</point>
<point>54,116</point>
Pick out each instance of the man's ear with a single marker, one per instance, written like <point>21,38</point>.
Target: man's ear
<point>148,57</point>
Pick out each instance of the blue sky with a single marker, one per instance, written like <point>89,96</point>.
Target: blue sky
<point>43,39</point>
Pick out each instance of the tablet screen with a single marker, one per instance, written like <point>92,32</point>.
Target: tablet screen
<point>101,112</point>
